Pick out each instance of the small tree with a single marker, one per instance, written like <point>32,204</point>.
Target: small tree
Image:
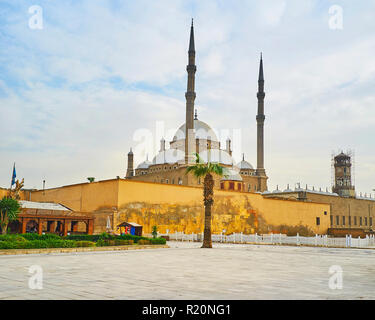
<point>154,231</point>
<point>207,170</point>
<point>9,209</point>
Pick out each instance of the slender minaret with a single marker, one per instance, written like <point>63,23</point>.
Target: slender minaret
<point>190,98</point>
<point>130,170</point>
<point>260,122</point>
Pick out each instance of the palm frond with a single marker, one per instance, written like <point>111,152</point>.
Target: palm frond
<point>201,169</point>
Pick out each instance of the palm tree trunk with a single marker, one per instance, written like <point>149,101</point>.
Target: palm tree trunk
<point>4,223</point>
<point>208,192</point>
<point>207,241</point>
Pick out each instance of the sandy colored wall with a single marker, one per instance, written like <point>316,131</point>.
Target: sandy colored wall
<point>3,193</point>
<point>342,207</point>
<point>86,197</point>
<point>180,208</point>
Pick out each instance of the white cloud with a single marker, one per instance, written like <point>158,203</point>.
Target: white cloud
<point>72,94</point>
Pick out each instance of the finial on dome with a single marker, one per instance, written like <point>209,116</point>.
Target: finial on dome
<point>243,157</point>
<point>196,115</point>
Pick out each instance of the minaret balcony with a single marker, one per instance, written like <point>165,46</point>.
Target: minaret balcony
<point>191,68</point>
<point>190,95</point>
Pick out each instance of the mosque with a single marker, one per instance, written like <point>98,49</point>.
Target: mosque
<point>159,192</point>
<point>348,211</point>
<point>196,136</point>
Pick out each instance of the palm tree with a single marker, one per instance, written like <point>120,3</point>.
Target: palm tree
<point>206,170</point>
<point>9,209</point>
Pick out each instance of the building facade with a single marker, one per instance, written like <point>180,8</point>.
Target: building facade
<point>349,210</point>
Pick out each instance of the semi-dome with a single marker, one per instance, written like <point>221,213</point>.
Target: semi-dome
<point>202,131</point>
<point>169,156</point>
<point>216,155</point>
<point>232,175</point>
<point>244,165</point>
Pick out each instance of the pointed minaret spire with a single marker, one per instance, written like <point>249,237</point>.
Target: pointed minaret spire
<point>190,99</point>
<point>191,43</point>
<point>261,76</point>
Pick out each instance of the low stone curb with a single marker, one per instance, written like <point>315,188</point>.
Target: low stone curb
<point>81,249</point>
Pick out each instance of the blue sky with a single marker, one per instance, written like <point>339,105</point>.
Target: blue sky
<point>73,94</point>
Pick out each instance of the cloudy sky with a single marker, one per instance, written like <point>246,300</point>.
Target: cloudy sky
<point>78,93</point>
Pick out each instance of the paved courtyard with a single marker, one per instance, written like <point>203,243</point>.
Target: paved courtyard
<point>187,272</point>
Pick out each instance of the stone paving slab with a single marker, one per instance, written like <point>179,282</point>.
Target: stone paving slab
<point>185,271</point>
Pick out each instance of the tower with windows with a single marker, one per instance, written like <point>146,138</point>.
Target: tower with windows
<point>343,175</point>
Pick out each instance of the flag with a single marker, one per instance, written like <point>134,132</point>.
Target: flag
<point>13,175</point>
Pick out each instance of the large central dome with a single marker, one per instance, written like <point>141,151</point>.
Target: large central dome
<point>202,131</point>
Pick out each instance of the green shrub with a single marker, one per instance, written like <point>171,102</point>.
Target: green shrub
<point>105,243</point>
<point>106,236</point>
<point>37,244</point>
<point>100,243</point>
<point>116,242</point>
<point>35,236</point>
<point>83,237</point>
<point>131,237</point>
<point>12,237</point>
<point>143,241</point>
<point>85,244</point>
<point>154,231</point>
<point>90,237</point>
<point>158,241</point>
<point>106,239</point>
<point>121,242</point>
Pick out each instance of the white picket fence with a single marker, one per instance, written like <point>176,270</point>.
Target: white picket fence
<point>282,239</point>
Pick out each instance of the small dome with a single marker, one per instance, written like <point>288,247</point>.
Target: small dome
<point>244,165</point>
<point>202,131</point>
<point>216,155</point>
<point>232,175</point>
<point>144,165</point>
<point>169,156</point>
<point>342,155</point>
